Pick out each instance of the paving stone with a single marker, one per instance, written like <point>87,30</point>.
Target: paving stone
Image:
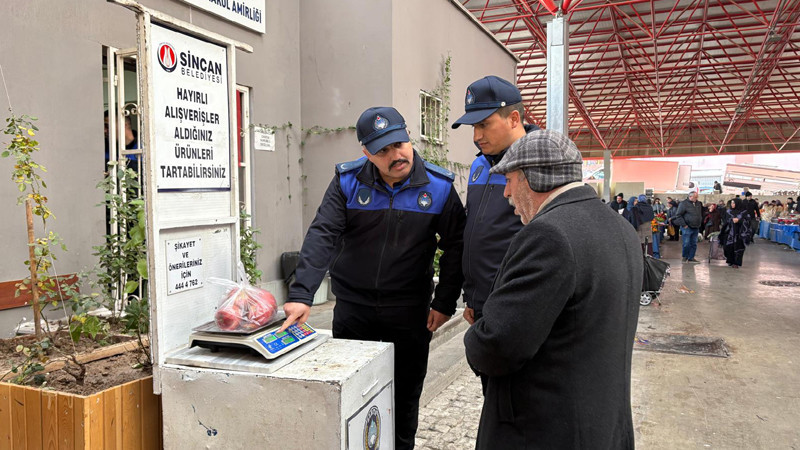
<point>450,420</point>
<point>449,437</point>
<point>441,428</point>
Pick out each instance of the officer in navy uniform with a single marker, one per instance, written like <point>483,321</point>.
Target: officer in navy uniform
<point>376,232</point>
<point>493,107</point>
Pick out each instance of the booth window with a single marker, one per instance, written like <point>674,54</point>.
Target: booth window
<point>431,118</point>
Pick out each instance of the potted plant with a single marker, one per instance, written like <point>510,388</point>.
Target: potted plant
<point>127,414</point>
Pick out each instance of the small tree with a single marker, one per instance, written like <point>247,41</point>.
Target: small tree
<point>26,175</point>
<point>43,284</point>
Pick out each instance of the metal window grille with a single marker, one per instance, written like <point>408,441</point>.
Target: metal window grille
<point>431,118</point>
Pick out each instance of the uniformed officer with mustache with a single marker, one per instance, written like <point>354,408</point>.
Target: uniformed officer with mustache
<point>376,232</point>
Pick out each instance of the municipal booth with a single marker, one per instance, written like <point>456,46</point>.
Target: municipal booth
<point>223,389</point>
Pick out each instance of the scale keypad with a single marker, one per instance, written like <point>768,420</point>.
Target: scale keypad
<point>277,342</point>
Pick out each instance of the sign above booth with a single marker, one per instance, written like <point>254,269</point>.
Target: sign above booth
<point>190,104</point>
<point>247,13</point>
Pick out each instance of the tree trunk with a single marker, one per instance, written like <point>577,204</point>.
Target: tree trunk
<point>37,314</point>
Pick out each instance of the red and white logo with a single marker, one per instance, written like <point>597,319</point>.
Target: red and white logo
<point>167,57</point>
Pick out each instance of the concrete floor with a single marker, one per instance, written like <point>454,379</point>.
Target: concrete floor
<point>750,400</point>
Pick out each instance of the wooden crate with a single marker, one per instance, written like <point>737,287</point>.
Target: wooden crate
<point>123,417</point>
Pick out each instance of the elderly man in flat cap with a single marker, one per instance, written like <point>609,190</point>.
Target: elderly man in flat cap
<point>557,330</point>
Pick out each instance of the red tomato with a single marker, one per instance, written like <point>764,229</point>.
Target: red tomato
<point>240,298</point>
<point>261,311</point>
<point>228,318</point>
<point>265,297</point>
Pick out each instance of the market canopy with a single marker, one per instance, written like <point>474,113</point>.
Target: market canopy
<point>665,77</point>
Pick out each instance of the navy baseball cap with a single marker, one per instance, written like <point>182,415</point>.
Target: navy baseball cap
<point>380,126</point>
<point>486,96</point>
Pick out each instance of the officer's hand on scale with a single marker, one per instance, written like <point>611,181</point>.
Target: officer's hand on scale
<point>295,313</point>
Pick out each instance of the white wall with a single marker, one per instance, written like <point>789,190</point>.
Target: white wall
<point>346,53</point>
<point>426,32</point>
<point>357,54</point>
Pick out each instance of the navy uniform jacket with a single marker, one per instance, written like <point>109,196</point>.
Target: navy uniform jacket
<point>379,245</point>
<point>491,224</point>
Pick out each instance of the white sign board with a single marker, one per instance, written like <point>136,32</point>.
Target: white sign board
<point>190,104</point>
<point>184,264</point>
<point>264,139</point>
<point>247,13</point>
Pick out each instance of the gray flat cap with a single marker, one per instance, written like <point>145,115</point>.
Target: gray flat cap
<point>547,158</point>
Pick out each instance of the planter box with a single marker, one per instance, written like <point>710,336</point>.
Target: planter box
<point>126,416</point>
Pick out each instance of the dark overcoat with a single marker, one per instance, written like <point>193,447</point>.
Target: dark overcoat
<point>556,337</point>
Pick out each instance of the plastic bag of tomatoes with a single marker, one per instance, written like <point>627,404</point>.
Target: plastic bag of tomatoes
<point>244,307</point>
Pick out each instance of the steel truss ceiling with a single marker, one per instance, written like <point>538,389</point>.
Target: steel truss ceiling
<point>659,77</point>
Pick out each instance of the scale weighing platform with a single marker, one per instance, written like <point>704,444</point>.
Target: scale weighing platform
<point>262,350</point>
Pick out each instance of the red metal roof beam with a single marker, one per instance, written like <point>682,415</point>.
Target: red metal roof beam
<point>768,56</point>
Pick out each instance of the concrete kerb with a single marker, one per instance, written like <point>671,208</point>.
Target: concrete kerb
<point>445,364</point>
<point>446,360</point>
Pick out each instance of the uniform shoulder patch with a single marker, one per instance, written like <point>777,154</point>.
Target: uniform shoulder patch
<point>440,171</point>
<point>351,165</point>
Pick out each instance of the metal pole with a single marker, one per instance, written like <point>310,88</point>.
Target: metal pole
<point>607,176</point>
<point>558,74</point>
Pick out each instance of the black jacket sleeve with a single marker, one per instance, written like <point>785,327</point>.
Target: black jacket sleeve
<point>679,219</point>
<point>450,228</point>
<point>754,210</point>
<point>319,245</point>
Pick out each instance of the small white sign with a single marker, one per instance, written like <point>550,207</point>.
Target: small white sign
<point>248,13</point>
<point>264,139</point>
<point>184,264</point>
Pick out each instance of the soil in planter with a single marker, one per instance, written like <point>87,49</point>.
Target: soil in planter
<point>100,375</point>
<point>9,356</point>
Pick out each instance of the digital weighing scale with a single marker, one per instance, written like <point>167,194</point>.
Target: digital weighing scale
<point>263,349</point>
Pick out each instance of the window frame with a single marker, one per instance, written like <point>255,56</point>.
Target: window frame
<point>427,124</point>
<point>245,152</point>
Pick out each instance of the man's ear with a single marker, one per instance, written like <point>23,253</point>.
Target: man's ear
<point>516,120</point>
<point>366,153</point>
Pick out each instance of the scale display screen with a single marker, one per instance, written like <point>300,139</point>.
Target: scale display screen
<point>279,342</point>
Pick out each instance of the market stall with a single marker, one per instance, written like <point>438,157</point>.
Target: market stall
<point>782,230</point>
